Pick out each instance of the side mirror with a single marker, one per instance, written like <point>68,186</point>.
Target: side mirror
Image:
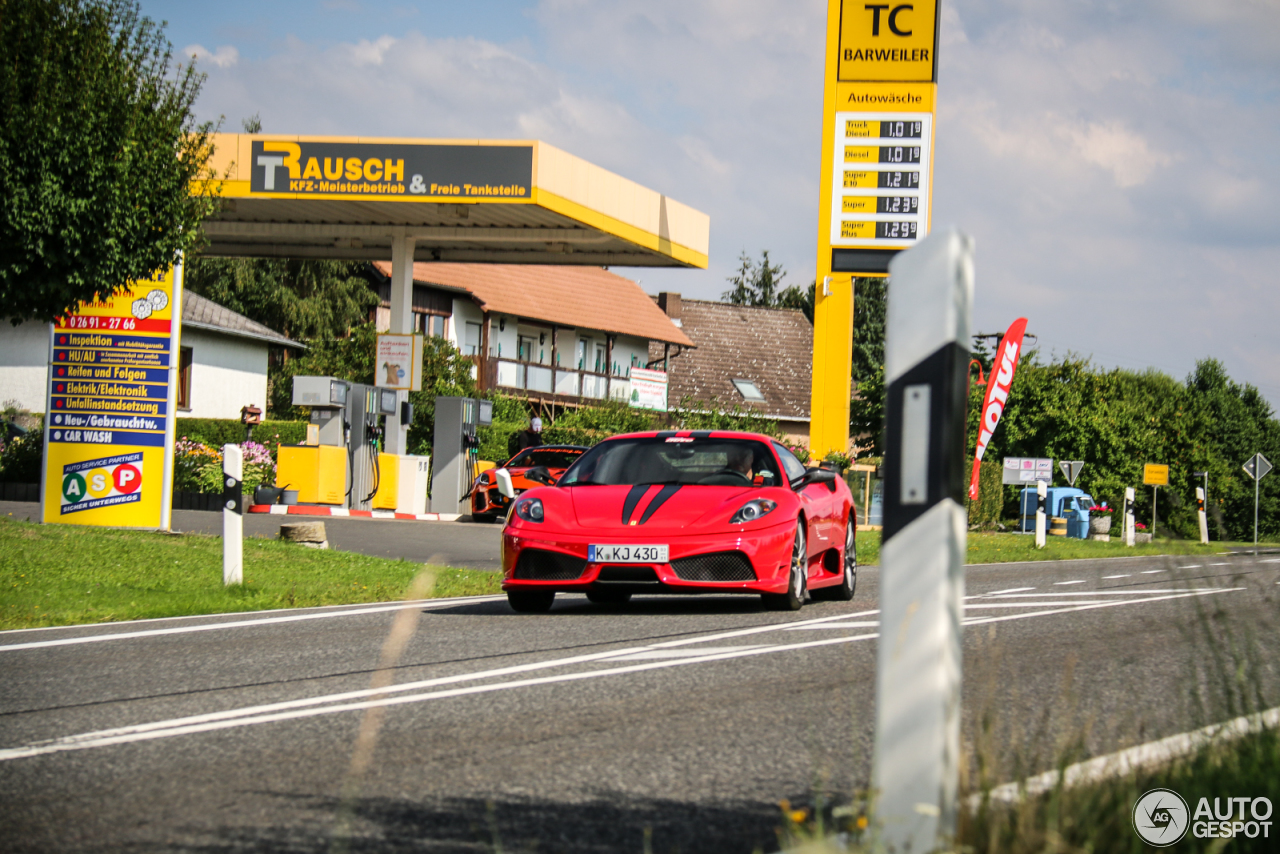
<point>540,474</point>
<point>818,475</point>
<point>503,478</point>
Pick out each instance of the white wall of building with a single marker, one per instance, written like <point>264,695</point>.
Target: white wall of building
<point>24,364</point>
<point>227,372</point>
<point>464,312</point>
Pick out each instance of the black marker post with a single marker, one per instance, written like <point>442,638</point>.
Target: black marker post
<point>917,743</point>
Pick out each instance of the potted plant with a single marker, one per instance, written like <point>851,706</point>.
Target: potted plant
<point>1100,519</point>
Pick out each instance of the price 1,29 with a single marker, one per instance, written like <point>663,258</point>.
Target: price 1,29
<point>901,130</point>
<point>899,154</point>
<point>896,230</point>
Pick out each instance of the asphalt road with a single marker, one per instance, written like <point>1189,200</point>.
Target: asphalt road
<point>577,730</point>
<point>462,543</point>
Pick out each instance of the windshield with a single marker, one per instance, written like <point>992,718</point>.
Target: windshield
<point>560,458</point>
<point>706,462</point>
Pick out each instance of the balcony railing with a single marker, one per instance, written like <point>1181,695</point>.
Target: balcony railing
<point>544,379</point>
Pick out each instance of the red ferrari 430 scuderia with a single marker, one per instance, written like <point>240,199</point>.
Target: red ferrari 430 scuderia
<point>683,512</point>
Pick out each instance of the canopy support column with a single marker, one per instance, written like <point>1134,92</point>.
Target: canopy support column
<point>402,323</point>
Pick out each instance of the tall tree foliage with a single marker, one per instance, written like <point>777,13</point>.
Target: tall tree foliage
<point>756,284</point>
<point>302,299</point>
<point>99,152</point>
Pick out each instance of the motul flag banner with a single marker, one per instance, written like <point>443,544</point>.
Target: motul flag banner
<point>998,384</point>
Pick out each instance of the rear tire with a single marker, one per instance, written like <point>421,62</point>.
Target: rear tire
<point>531,601</point>
<point>843,591</point>
<point>797,580</point>
<point>608,597</point>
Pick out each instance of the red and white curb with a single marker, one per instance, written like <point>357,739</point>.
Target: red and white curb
<point>342,512</point>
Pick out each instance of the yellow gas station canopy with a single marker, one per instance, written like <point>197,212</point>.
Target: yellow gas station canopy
<point>508,202</point>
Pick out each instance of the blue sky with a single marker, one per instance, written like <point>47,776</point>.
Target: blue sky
<point>1115,161</point>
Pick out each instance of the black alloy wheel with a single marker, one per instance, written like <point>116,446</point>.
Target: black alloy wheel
<point>843,591</point>
<point>531,601</point>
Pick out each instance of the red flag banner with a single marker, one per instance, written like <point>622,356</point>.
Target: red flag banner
<point>998,384</point>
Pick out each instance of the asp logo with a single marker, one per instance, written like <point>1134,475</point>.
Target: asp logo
<point>101,483</point>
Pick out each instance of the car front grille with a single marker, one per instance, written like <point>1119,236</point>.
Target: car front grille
<point>628,575</point>
<point>541,565</point>
<point>717,566</point>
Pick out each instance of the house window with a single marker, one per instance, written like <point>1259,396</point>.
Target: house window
<point>184,378</point>
<point>431,325</point>
<point>527,346</point>
<point>471,344</point>
<point>748,389</point>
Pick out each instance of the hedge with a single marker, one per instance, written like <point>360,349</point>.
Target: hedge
<point>217,432</point>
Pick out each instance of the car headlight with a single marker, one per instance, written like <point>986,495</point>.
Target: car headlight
<point>530,509</point>
<point>753,510</point>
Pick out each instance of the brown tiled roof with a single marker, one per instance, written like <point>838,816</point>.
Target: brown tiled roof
<point>578,297</point>
<point>772,347</point>
<point>201,313</point>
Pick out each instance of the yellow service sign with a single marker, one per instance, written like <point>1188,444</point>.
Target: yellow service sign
<point>109,425</point>
<point>1155,475</point>
<point>888,41</point>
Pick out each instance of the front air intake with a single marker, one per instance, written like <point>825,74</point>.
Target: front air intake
<point>541,565</point>
<point>717,566</point>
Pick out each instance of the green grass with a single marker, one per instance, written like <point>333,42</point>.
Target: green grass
<point>1006,548</point>
<point>56,575</point>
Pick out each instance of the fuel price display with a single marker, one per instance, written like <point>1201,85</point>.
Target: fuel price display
<point>881,179</point>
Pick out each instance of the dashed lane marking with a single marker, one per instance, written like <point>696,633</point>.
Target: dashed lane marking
<point>1126,575</point>
<point>1152,571</point>
<point>1010,590</point>
<point>1065,583</point>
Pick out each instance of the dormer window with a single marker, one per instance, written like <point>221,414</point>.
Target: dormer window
<point>747,389</point>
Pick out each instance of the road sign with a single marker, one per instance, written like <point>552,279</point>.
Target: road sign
<point>1155,475</point>
<point>1025,471</point>
<point>1071,469</point>
<point>1257,467</point>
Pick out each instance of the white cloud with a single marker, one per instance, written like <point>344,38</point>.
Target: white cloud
<point>224,57</point>
<point>1124,153</point>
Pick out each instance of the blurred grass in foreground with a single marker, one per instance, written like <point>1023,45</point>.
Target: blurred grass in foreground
<point>55,575</point>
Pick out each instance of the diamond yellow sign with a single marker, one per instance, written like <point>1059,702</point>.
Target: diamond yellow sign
<point>1155,475</point>
<point>876,190</point>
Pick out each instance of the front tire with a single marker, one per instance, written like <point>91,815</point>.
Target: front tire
<point>531,601</point>
<point>797,580</point>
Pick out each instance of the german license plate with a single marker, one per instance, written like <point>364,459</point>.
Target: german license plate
<point>628,554</point>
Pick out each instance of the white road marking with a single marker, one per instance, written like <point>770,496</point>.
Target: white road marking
<point>685,653</point>
<point>1118,592</point>
<point>264,614</point>
<point>1126,575</point>
<point>1065,583</point>
<point>1034,604</point>
<point>999,592</point>
<point>1192,566</point>
<point>240,624</point>
<point>297,709</point>
<point>1270,560</point>
<point>874,625</point>
<point>1219,564</point>
<point>1152,571</point>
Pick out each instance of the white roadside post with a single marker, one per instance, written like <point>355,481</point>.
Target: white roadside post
<point>1130,529</point>
<point>1041,492</point>
<point>917,739</point>
<point>1204,520</point>
<point>232,521</point>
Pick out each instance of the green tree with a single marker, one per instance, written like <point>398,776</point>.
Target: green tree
<point>756,284</point>
<point>870,302</point>
<point>99,153</point>
<point>800,299</point>
<point>302,299</point>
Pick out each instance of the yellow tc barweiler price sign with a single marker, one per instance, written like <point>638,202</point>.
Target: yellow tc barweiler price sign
<point>876,186</point>
<point>109,426</point>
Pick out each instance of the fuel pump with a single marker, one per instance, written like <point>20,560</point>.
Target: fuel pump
<point>456,450</point>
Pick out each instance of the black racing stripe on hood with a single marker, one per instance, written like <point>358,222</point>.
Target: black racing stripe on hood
<point>633,498</point>
<point>668,490</point>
